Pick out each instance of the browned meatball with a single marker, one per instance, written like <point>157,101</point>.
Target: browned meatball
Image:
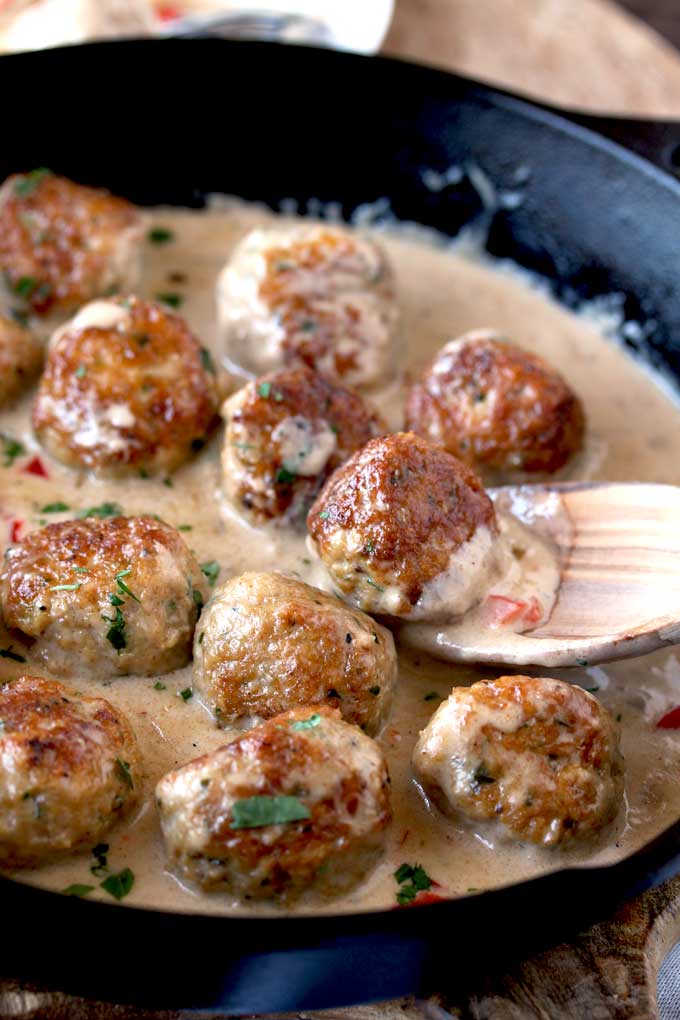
<point>267,643</point>
<point>68,770</point>
<point>104,597</point>
<point>406,529</point>
<point>538,755</point>
<point>496,406</point>
<point>62,244</point>
<point>314,294</point>
<point>21,356</point>
<point>223,814</point>
<point>127,388</point>
<point>286,433</point>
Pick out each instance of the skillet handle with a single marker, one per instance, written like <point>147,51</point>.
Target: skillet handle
<point>655,140</point>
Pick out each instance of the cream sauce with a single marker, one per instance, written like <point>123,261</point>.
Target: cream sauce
<point>633,434</point>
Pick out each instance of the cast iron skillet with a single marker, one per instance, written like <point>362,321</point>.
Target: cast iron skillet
<point>172,121</point>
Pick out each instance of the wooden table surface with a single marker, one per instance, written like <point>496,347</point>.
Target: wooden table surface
<point>592,54</point>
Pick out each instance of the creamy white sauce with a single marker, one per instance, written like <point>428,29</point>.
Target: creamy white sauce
<point>633,426</point>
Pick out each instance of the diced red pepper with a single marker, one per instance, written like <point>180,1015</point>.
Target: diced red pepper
<point>670,721</point>
<point>534,611</point>
<point>423,897</point>
<point>504,610</point>
<point>15,530</point>
<point>168,12</point>
<point>35,467</point>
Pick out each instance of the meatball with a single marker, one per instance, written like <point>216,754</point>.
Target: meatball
<point>21,356</point>
<point>538,755</point>
<point>104,597</point>
<point>497,407</point>
<point>127,389</point>
<point>285,434</point>
<point>68,770</point>
<point>299,802</point>
<point>266,643</point>
<point>405,529</point>
<point>312,294</point>
<point>62,244</point>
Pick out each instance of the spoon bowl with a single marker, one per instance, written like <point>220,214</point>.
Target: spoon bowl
<point>619,594</point>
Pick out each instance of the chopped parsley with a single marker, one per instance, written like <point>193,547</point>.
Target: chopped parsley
<point>413,879</point>
<point>256,812</point>
<point>264,389</point>
<point>77,890</point>
<point>168,483</point>
<point>430,696</point>
<point>158,686</point>
<point>7,653</point>
<point>306,724</point>
<point>66,587</point>
<point>25,286</point>
<point>11,449</point>
<point>374,584</point>
<point>116,632</point>
<point>123,770</point>
<point>207,361</point>
<point>55,508</point>
<point>197,597</point>
<point>211,571</point>
<point>100,852</point>
<point>160,235</point>
<point>122,586</point>
<point>80,570</point>
<point>27,183</point>
<point>185,527</point>
<point>324,515</point>
<point>185,694</point>
<point>103,510</point>
<point>285,477</point>
<point>119,885</point>
<point>80,372</point>
<point>170,298</point>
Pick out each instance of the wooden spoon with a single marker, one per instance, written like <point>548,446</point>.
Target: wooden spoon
<point>619,595</point>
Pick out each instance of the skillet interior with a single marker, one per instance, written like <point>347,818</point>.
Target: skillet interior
<point>211,118</point>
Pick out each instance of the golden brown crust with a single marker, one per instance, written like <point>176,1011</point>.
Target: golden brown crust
<point>334,770</point>
<point>496,407</point>
<point>21,357</point>
<point>137,396</point>
<point>68,770</point>
<point>407,505</point>
<point>539,755</point>
<point>57,585</point>
<point>58,240</point>
<point>267,643</point>
<point>259,475</point>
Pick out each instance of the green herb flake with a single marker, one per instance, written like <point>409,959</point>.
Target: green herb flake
<point>119,885</point>
<point>374,584</point>
<point>122,586</point>
<point>306,724</point>
<point>123,770</point>
<point>77,890</point>
<point>168,483</point>
<point>256,812</point>
<point>11,449</point>
<point>116,600</point>
<point>200,637</point>
<point>170,298</point>
<point>324,515</point>
<point>27,183</point>
<point>264,389</point>
<point>207,361</point>
<point>211,571</point>
<point>55,508</point>
<point>100,852</point>
<point>197,598</point>
<point>66,587</point>
<point>116,632</point>
<point>80,570</point>
<point>25,286</point>
<point>413,879</point>
<point>158,686</point>
<point>285,477</point>
<point>7,653</point>
<point>185,694</point>
<point>80,372</point>
<point>431,696</point>
<point>185,527</point>
<point>375,691</point>
<point>160,235</point>
<point>102,511</point>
